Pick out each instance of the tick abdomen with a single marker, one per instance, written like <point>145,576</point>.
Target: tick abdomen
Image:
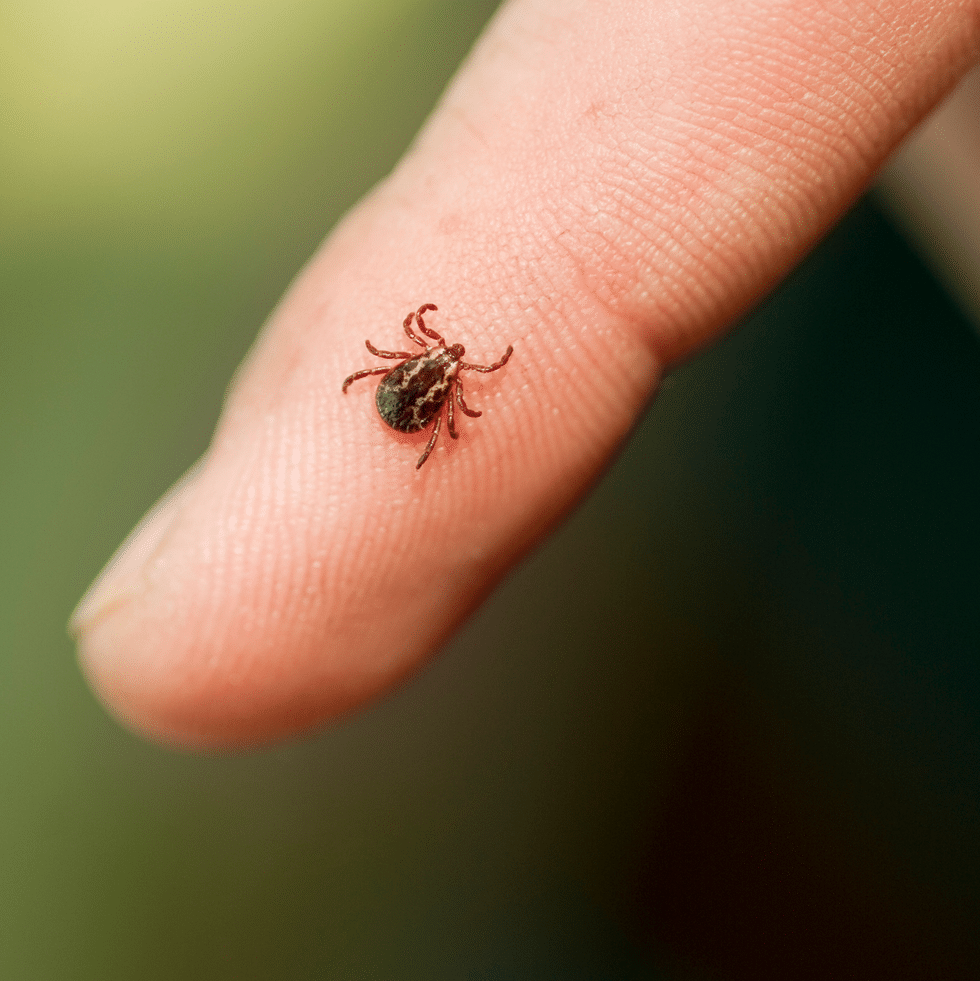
<point>415,391</point>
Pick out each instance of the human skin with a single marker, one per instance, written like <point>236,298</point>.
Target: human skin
<point>606,186</point>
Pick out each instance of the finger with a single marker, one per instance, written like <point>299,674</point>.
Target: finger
<point>604,188</point>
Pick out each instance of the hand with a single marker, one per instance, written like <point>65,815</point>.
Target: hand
<point>606,187</point>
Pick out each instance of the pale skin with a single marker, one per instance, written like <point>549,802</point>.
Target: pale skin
<point>606,186</point>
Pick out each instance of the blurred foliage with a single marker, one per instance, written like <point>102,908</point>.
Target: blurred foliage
<point>726,721</point>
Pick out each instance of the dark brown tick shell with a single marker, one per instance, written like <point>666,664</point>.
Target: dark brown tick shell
<point>413,393</point>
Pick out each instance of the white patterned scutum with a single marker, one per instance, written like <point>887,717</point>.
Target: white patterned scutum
<point>413,393</point>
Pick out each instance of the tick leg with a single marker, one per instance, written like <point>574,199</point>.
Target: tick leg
<point>428,331</point>
<point>404,355</point>
<point>364,374</point>
<point>432,442</point>
<point>407,324</point>
<point>490,367</point>
<point>451,418</point>
<point>462,404</point>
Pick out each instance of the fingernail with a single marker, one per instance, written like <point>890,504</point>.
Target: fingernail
<point>123,578</point>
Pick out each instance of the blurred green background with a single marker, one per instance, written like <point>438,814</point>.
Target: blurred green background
<point>726,724</point>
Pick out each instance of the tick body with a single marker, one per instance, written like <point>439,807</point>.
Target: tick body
<point>413,393</point>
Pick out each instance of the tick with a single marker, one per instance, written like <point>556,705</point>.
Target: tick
<point>413,393</point>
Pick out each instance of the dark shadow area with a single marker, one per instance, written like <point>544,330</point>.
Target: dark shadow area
<point>822,819</point>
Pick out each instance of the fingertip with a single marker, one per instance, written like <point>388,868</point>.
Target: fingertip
<point>122,578</point>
